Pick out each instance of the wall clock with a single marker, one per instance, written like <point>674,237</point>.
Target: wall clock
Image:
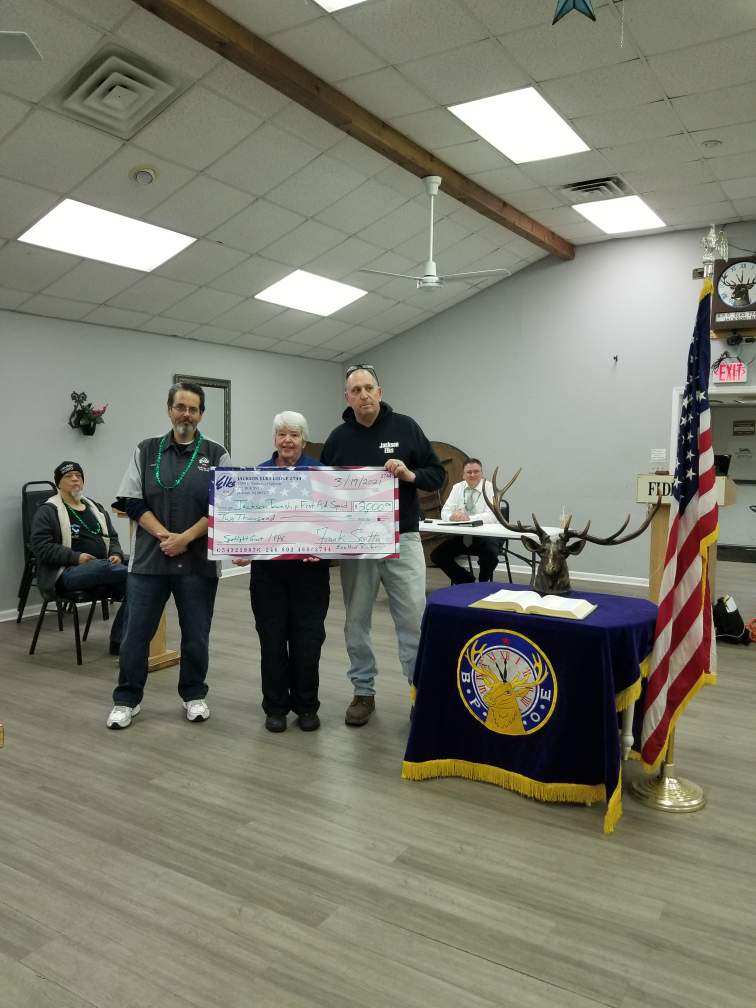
<point>734,302</point>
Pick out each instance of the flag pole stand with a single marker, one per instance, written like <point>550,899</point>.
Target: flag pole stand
<point>667,792</point>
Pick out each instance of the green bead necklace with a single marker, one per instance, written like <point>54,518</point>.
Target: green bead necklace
<point>187,467</point>
<point>79,516</point>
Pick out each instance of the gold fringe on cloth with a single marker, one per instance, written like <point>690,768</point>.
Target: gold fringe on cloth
<point>702,681</point>
<point>413,694</point>
<point>614,807</point>
<point>626,697</point>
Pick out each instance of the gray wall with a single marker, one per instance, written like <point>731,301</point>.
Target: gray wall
<point>523,375</point>
<point>737,523</point>
<point>45,359</point>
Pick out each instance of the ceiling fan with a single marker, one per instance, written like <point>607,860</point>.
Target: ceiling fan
<point>16,45</point>
<point>431,279</point>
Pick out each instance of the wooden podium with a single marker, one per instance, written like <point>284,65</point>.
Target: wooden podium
<point>649,486</point>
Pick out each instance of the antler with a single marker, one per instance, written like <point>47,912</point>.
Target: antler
<point>616,538</point>
<point>495,504</point>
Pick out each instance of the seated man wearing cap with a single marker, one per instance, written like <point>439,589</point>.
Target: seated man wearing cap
<point>76,546</point>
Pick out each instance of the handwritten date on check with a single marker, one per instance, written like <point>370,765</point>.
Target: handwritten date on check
<point>291,513</point>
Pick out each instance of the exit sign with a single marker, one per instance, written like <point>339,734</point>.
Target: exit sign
<point>730,372</point>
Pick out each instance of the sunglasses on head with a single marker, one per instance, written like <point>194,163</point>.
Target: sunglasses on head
<point>361,367</point>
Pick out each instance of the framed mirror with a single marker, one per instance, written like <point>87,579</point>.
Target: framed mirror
<point>216,422</point>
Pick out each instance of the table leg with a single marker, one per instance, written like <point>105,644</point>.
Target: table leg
<point>160,656</point>
<point>626,735</point>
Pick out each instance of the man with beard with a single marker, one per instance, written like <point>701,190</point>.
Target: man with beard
<point>165,490</point>
<point>76,546</point>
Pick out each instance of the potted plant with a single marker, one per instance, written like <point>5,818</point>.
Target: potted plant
<point>85,415</point>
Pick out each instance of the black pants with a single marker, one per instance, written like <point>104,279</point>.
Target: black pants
<point>290,601</point>
<point>487,551</point>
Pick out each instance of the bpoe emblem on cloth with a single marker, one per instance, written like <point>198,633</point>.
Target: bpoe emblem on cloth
<point>506,682</point>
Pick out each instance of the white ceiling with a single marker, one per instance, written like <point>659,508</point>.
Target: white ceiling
<point>266,186</point>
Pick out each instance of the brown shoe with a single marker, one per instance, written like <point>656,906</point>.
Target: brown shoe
<point>359,710</point>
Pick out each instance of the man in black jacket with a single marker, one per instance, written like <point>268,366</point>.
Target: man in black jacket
<point>76,546</point>
<point>373,435</point>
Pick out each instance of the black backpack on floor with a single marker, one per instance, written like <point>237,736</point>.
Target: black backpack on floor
<point>728,623</point>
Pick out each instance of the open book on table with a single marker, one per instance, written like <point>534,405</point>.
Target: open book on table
<point>532,602</point>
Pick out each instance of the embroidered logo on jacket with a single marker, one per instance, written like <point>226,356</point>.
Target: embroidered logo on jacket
<point>388,446</point>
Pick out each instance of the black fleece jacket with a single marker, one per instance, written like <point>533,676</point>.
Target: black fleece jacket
<point>392,435</point>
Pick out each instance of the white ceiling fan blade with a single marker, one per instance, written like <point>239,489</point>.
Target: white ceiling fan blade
<point>475,273</point>
<point>16,45</point>
<point>402,276</point>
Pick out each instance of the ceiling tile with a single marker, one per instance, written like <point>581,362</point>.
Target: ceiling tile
<point>212,334</point>
<point>746,208</point>
<point>105,13</point>
<point>740,188</point>
<point>559,217</point>
<point>304,243</point>
<point>285,324</point>
<point>112,188</point>
<point>27,154</point>
<point>501,16</point>
<point>472,71</point>
<point>250,277</point>
<point>393,320</point>
<point>162,43</point>
<point>317,353</point>
<point>253,342</point>
<point>296,119</point>
<point>344,258</point>
<point>737,166</point>
<point>564,170</point>
<point>663,200</point>
<point>657,27</point>
<point>368,307</point>
<point>326,50</point>
<point>199,207</point>
<point>474,156</point>
<point>399,31</point>
<point>722,107</point>
<point>11,113</point>
<point>257,226</point>
<point>63,41</point>
<point>168,326</point>
<point>397,226</point>
<point>364,160</point>
<point>460,256</point>
<point>95,282</point>
<point>501,181</point>
<point>468,218</point>
<point>290,348</point>
<point>622,86</point>
<point>29,268</point>
<point>733,139</point>
<point>399,179</point>
<point>242,88</point>
<point>119,318</point>
<point>201,263</point>
<point>205,305</point>
<point>316,186</point>
<point>153,294</point>
<point>21,206</point>
<point>248,315</point>
<point>263,17</point>
<point>264,160</point>
<point>724,63</point>
<point>11,299</point>
<point>361,207</point>
<point>386,93</point>
<point>445,234</point>
<point>390,262</point>
<point>711,213</point>
<point>665,176</point>
<point>197,129</point>
<point>656,119</point>
<point>351,337</point>
<point>322,331</point>
<point>644,154</point>
<point>435,128</point>
<point>578,45</point>
<point>581,232</point>
<point>41,304</point>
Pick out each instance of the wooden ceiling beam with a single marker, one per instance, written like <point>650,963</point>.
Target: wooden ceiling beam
<point>214,29</point>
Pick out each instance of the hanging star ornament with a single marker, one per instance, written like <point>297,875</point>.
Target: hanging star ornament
<point>581,6</point>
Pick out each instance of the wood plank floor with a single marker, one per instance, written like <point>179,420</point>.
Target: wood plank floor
<point>177,865</point>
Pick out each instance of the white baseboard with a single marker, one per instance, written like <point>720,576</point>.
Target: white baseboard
<point>6,615</point>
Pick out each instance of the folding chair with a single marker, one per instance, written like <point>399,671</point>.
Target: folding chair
<point>30,501</point>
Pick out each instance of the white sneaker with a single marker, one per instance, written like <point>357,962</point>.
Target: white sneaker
<point>120,716</point>
<point>196,710</point>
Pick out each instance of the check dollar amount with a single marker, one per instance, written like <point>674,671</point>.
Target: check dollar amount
<point>324,512</point>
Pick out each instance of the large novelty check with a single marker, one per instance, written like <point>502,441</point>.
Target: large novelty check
<point>327,512</point>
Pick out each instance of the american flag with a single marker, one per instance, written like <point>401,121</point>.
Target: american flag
<point>684,653</point>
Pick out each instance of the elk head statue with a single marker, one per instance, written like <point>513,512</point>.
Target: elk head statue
<point>552,576</point>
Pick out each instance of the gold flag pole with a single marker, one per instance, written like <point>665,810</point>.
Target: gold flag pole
<point>667,792</point>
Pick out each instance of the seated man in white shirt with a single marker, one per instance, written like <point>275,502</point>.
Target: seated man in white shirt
<point>466,503</point>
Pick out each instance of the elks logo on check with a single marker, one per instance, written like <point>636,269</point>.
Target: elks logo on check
<point>506,682</point>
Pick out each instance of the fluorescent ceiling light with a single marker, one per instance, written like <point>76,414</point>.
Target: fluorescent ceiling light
<point>613,216</point>
<point>521,124</point>
<point>310,293</point>
<point>87,231</point>
<point>334,5</point>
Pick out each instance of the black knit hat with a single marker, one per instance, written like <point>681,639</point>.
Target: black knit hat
<point>64,469</point>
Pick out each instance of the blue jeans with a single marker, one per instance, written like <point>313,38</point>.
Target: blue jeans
<point>99,574</point>
<point>194,596</point>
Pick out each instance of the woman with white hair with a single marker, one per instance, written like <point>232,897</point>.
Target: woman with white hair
<point>290,601</point>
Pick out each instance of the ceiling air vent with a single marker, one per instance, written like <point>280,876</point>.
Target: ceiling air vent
<point>596,189</point>
<point>118,92</point>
